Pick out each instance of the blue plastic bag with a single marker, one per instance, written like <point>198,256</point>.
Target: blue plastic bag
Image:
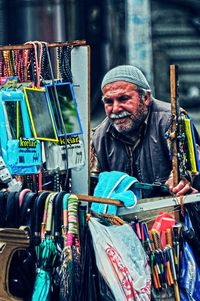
<point>190,271</point>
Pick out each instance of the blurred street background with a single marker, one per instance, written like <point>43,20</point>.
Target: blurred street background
<point>151,34</point>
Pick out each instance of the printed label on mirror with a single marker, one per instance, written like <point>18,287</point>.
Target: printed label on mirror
<point>70,140</point>
<point>27,143</point>
<point>76,155</point>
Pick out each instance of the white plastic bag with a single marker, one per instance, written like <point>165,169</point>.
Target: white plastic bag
<point>122,261</point>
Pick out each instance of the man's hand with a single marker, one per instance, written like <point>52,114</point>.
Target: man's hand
<point>183,187</point>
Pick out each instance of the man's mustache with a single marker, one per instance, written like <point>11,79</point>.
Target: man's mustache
<point>119,115</point>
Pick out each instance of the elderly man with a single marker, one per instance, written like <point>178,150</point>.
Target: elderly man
<point>131,138</point>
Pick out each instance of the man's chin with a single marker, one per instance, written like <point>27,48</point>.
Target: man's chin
<point>122,129</point>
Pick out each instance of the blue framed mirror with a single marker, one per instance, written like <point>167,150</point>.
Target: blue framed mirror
<point>68,107</point>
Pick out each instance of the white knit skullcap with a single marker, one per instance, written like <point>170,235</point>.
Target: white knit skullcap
<point>126,73</point>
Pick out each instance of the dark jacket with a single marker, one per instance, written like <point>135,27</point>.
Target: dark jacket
<point>150,161</point>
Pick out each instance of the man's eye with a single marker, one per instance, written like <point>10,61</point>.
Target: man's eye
<point>123,98</point>
<point>107,101</point>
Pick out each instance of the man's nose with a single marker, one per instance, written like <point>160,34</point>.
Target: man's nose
<point>116,106</point>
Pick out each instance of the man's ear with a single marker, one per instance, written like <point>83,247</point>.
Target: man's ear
<point>147,98</point>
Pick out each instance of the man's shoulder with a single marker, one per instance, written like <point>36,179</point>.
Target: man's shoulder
<point>161,114</point>
<point>102,127</point>
<point>161,106</point>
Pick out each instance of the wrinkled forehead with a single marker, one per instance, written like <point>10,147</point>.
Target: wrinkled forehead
<point>118,87</point>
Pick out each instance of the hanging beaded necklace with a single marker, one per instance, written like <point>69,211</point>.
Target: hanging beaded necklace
<point>58,63</point>
<point>12,62</point>
<point>35,61</point>
<point>45,72</point>
<point>26,64</point>
<point>17,62</point>
<point>64,63</point>
<point>1,64</point>
<point>7,63</point>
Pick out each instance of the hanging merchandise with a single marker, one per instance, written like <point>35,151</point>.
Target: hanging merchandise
<point>190,270</point>
<point>64,63</point>
<point>123,265</point>
<point>161,226</point>
<point>21,153</point>
<point>36,111</point>
<point>40,114</point>
<point>6,180</point>
<point>39,109</point>
<point>174,267</point>
<point>192,233</point>
<point>165,256</point>
<point>14,62</point>
<point>46,254</point>
<point>51,106</point>
<point>68,107</point>
<point>69,152</point>
<point>60,159</point>
<point>70,258</point>
<point>194,162</point>
<point>93,285</point>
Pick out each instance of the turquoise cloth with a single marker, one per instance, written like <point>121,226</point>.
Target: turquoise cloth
<point>115,185</point>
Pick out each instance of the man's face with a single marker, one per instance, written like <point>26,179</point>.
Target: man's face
<point>124,107</point>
